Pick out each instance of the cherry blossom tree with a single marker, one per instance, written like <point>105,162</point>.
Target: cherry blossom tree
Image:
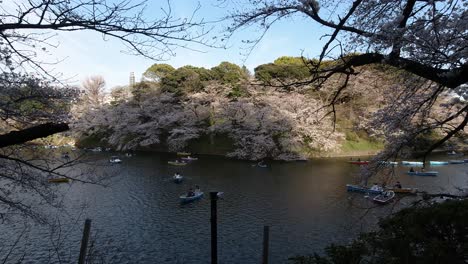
<point>269,124</point>
<point>35,103</point>
<point>426,39</point>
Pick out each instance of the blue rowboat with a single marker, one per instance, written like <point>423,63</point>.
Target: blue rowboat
<point>438,162</point>
<point>186,199</point>
<point>362,189</point>
<point>456,161</point>
<point>388,163</point>
<point>412,163</point>
<point>423,173</point>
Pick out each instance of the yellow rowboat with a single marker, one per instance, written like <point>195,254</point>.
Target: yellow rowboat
<point>58,180</point>
<point>176,163</point>
<point>183,153</point>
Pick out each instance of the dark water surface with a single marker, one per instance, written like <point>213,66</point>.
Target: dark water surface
<point>138,218</point>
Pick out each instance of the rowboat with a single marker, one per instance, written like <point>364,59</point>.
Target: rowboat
<point>456,161</point>
<point>413,163</point>
<point>389,163</point>
<point>177,178</point>
<point>438,162</point>
<point>183,153</point>
<point>176,163</point>
<point>186,199</point>
<point>423,173</point>
<point>357,188</point>
<point>355,162</point>
<point>453,153</point>
<point>58,180</point>
<point>115,159</point>
<point>188,158</point>
<point>404,190</point>
<point>384,198</point>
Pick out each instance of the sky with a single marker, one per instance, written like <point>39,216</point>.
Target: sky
<point>83,53</point>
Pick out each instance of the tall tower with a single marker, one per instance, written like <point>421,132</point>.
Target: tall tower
<point>132,79</point>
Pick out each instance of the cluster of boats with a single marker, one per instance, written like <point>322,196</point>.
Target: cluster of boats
<point>382,195</point>
<point>385,195</point>
<point>410,163</point>
<point>183,160</point>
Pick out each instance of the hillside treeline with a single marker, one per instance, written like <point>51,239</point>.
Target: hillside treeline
<point>228,111</point>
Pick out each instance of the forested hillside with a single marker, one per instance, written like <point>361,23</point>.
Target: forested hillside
<point>228,111</point>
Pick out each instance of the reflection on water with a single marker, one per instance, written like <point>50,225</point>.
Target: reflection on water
<point>138,218</point>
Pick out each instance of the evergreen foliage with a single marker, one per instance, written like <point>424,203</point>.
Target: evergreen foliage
<point>433,234</point>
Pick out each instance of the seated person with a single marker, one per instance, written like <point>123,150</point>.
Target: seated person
<point>190,193</point>
<point>375,187</point>
<point>411,169</point>
<point>398,185</point>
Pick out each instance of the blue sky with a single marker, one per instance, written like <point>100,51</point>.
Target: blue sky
<point>86,53</point>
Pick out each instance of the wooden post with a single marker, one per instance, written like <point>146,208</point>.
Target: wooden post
<point>84,241</point>
<point>214,228</point>
<point>266,238</point>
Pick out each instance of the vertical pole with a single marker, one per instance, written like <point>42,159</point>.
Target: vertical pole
<point>84,241</point>
<point>266,237</point>
<point>214,228</point>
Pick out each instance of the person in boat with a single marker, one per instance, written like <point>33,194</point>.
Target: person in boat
<point>197,189</point>
<point>398,185</point>
<point>422,169</point>
<point>359,159</point>
<point>411,169</point>
<point>177,175</point>
<point>261,163</point>
<point>190,193</point>
<point>375,187</point>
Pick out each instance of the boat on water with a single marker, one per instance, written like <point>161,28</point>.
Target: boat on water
<point>189,158</point>
<point>186,199</point>
<point>115,159</point>
<point>423,173</point>
<point>432,162</point>
<point>178,178</point>
<point>388,163</point>
<point>362,189</point>
<point>456,161</point>
<point>384,197</point>
<point>359,162</point>
<point>176,163</point>
<point>183,153</point>
<point>453,153</point>
<point>412,163</point>
<point>403,190</point>
<point>58,180</point>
